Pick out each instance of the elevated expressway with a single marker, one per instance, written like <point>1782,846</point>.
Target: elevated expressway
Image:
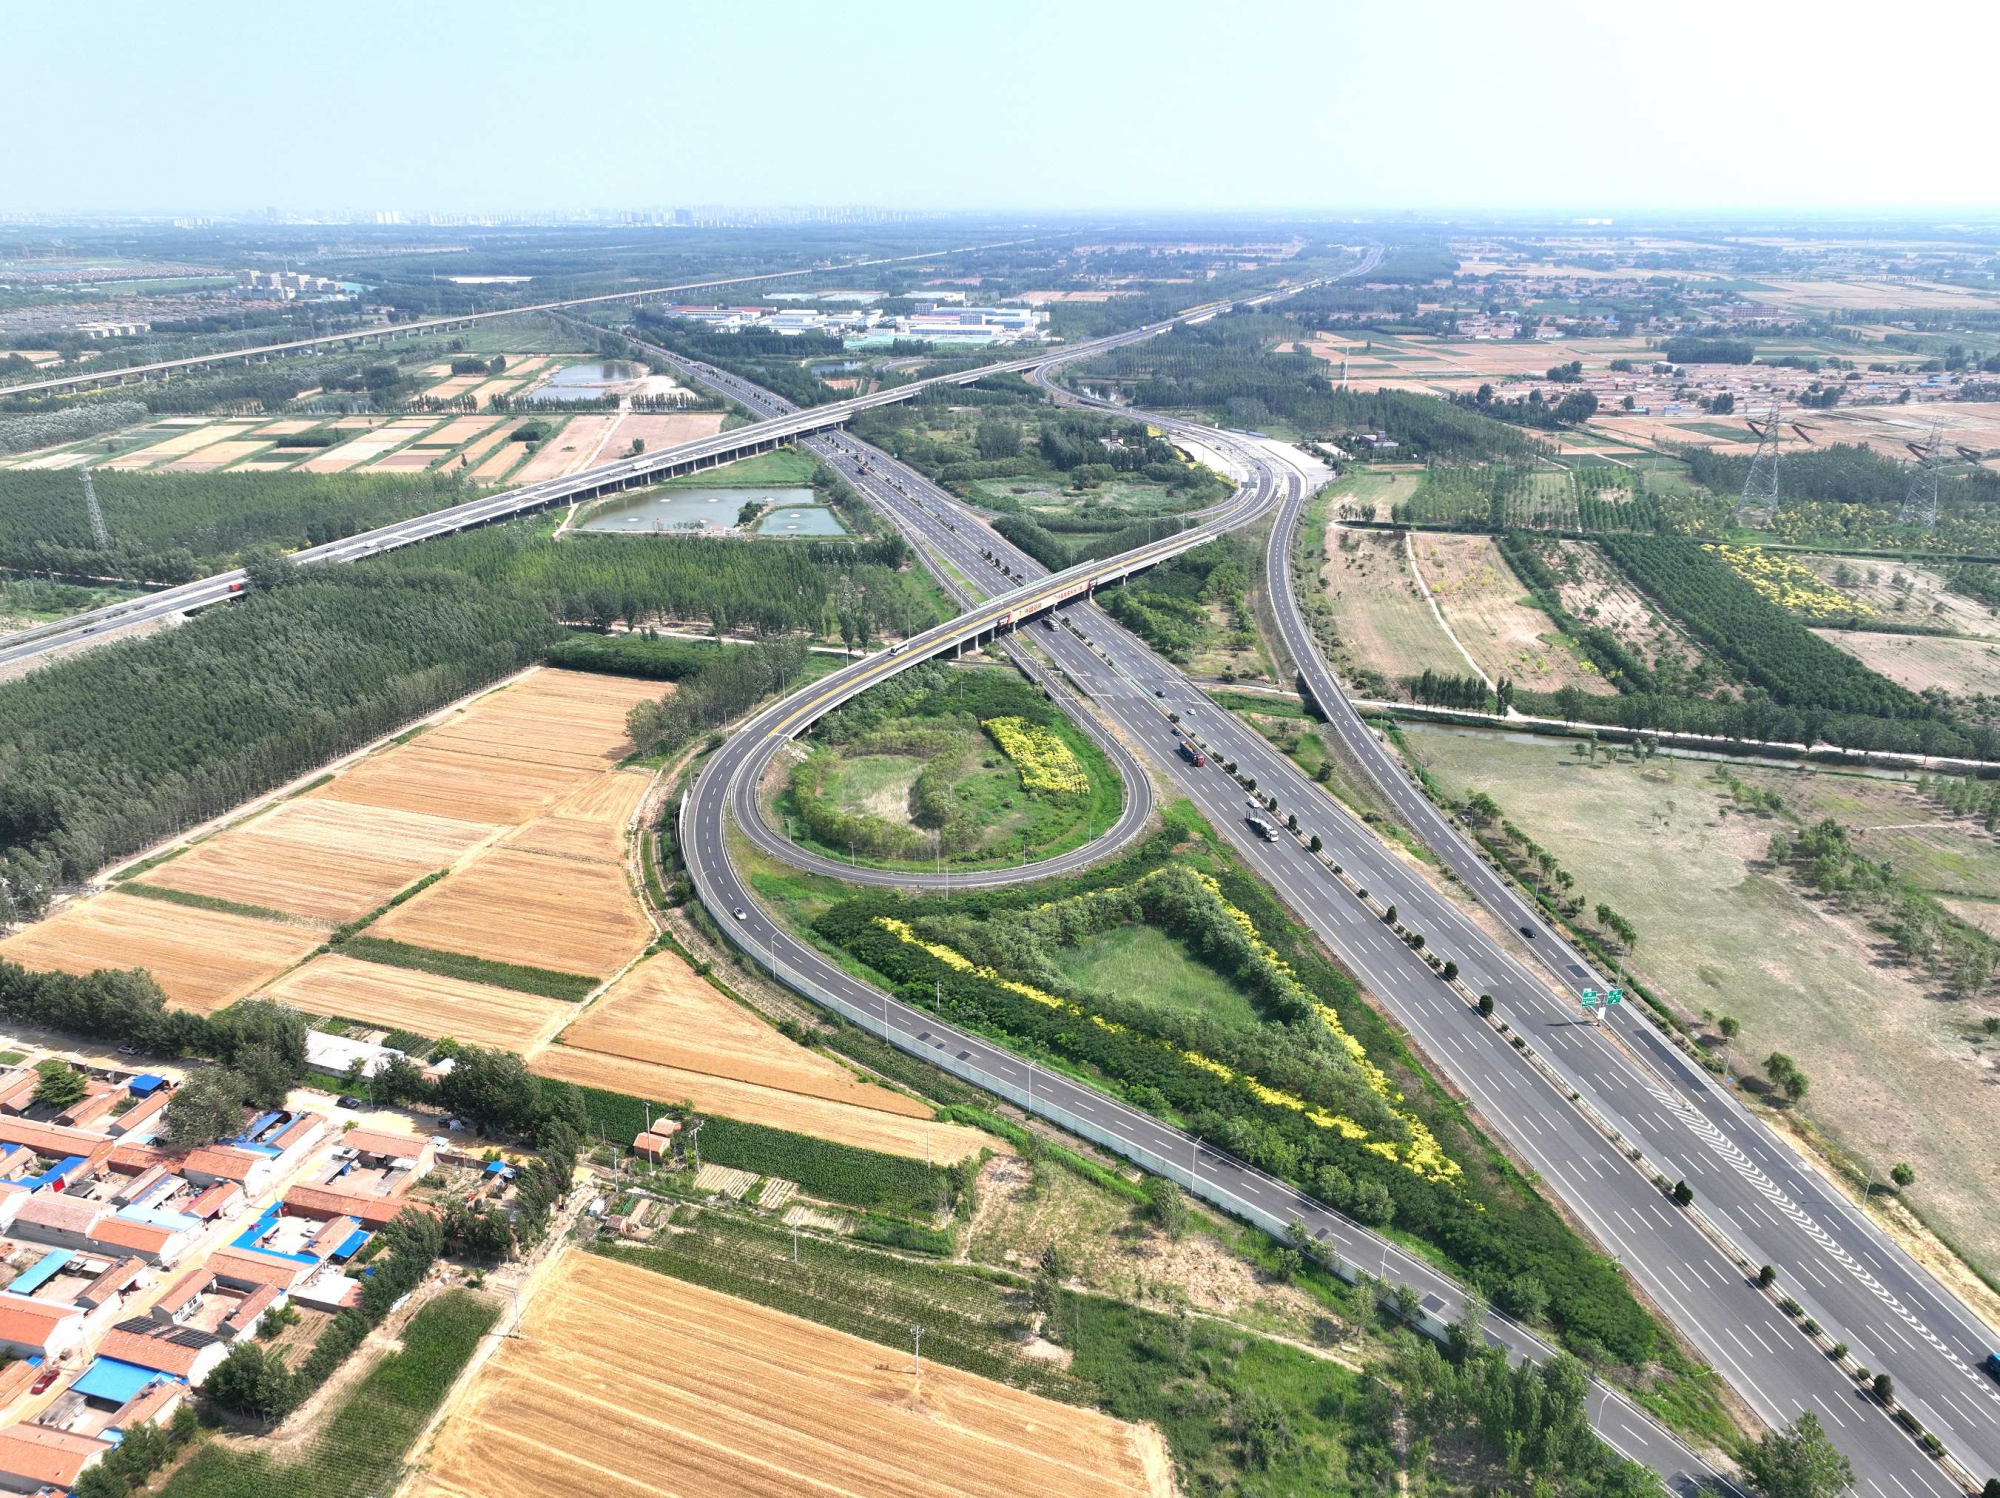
<point>591,483</point>
<point>1581,1145</point>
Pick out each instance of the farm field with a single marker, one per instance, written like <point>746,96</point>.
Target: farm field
<point>531,764</point>
<point>1964,668</point>
<point>1597,592</point>
<point>664,1013</point>
<point>576,446</point>
<point>751,1102</point>
<point>203,959</point>
<point>507,756</point>
<point>1904,593</point>
<point>422,1003</point>
<point>712,1395</point>
<point>508,904</point>
<point>321,859</point>
<point>1487,609</point>
<point>1381,617</point>
<point>1894,1073</point>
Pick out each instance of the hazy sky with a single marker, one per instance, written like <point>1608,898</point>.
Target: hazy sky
<point>1077,105</point>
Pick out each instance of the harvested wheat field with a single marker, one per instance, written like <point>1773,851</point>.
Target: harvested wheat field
<point>1487,609</point>
<point>575,916</point>
<point>320,858</point>
<point>663,1012</point>
<point>508,756</point>
<point>709,1396</point>
<point>843,1123</point>
<point>658,429</point>
<point>589,824</point>
<point>422,1003</point>
<point>203,959</point>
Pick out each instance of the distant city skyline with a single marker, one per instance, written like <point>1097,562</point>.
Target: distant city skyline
<point>501,109</point>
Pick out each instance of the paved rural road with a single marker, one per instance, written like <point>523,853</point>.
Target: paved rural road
<point>1703,1289</point>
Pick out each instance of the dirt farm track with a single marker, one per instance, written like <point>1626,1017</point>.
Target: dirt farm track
<point>627,1383</point>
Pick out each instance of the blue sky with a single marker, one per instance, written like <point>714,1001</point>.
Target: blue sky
<point>1087,106</point>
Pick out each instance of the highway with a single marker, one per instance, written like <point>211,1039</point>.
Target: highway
<point>1702,1288</point>
<point>265,351</point>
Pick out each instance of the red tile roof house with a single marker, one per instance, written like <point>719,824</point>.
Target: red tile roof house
<point>39,1328</point>
<point>326,1202</point>
<point>33,1457</point>
<point>221,1162</point>
<point>180,1350</point>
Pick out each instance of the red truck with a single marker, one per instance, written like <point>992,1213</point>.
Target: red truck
<point>1192,755</point>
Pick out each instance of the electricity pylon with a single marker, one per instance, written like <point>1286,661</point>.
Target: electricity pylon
<point>98,533</point>
<point>1920,499</point>
<point>1759,505</point>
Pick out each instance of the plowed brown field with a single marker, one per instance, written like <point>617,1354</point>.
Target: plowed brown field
<point>321,859</point>
<point>662,1012</point>
<point>423,1003</point>
<point>203,959</point>
<point>844,1123</point>
<point>627,1382</point>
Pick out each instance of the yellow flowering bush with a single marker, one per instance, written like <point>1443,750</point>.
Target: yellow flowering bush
<point>1789,584</point>
<point>1044,760</point>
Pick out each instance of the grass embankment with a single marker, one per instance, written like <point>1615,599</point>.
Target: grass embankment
<point>362,1450</point>
<point>537,980</point>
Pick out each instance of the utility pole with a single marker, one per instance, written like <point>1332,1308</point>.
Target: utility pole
<point>916,1351</point>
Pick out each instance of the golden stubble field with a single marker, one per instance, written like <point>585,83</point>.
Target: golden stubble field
<point>553,894</point>
<point>204,959</point>
<point>535,760</point>
<point>423,1003</point>
<point>664,1033</point>
<point>626,1382</point>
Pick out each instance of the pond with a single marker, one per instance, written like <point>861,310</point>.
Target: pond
<point>588,382</point>
<point>710,510</point>
<point>801,520</point>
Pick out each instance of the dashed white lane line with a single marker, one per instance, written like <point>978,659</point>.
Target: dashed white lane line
<point>1838,1418</point>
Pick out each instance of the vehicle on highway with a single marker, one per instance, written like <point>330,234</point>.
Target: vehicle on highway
<point>1262,828</point>
<point>1529,932</point>
<point>1159,691</point>
<point>1191,754</point>
<point>236,587</point>
<point>1992,1364</point>
<point>741,914</point>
